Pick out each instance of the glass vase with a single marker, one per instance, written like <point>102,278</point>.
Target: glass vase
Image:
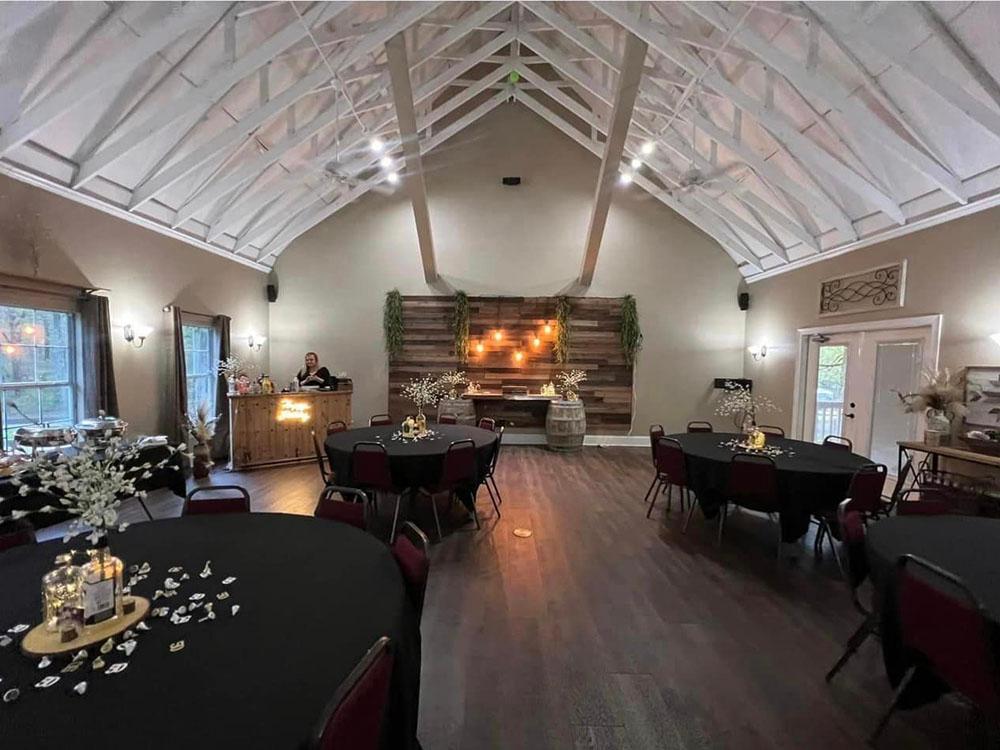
<point>102,584</point>
<point>62,598</point>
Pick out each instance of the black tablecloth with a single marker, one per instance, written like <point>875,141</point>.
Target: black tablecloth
<point>963,545</point>
<point>811,478</point>
<point>413,463</point>
<point>170,476</point>
<point>314,596</point>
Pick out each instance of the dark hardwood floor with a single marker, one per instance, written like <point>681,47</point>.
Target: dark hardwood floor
<point>608,630</point>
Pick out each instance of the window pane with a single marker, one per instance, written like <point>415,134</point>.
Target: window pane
<point>200,359</point>
<point>188,338</point>
<point>51,328</point>
<point>17,363</point>
<point>56,405</point>
<point>18,400</point>
<point>17,325</point>
<point>203,337</point>
<point>52,364</point>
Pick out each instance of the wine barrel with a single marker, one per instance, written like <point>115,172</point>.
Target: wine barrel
<point>565,425</point>
<point>464,409</point>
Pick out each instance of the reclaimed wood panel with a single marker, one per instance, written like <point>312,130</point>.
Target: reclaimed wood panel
<point>428,348</point>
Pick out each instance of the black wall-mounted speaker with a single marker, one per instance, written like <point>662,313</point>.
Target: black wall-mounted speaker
<point>743,300</point>
<point>272,286</point>
<point>510,180</point>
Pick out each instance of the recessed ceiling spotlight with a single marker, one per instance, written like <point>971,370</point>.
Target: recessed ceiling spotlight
<point>392,177</point>
<point>636,163</point>
<point>647,148</point>
<point>624,178</point>
<point>386,162</point>
<point>377,144</point>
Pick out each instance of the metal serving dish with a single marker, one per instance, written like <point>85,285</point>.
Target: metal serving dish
<point>98,430</point>
<point>36,436</point>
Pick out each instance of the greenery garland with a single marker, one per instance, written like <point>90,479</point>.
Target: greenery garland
<point>561,346</point>
<point>631,333</point>
<point>392,322</point>
<point>460,326</point>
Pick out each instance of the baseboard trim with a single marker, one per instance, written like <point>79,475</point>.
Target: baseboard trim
<point>625,441</point>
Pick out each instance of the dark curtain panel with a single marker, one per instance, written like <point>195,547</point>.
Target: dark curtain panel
<point>220,448</point>
<point>178,404</point>
<point>99,391</point>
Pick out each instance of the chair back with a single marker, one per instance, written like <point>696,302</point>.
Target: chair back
<point>353,718</point>
<point>487,423</point>
<point>944,625</point>
<point>700,427</point>
<point>320,458</point>
<point>370,467</point>
<point>447,419</point>
<point>772,429</point>
<point>753,482</point>
<point>349,510</point>
<point>459,464</point>
<point>16,534</point>
<point>852,532</point>
<point>865,492</point>
<point>838,442</point>
<point>656,431</point>
<point>670,461</point>
<point>336,426</point>
<point>901,481</point>
<point>227,498</point>
<point>930,503</point>
<point>379,420</point>
<point>412,552</point>
<point>496,450</point>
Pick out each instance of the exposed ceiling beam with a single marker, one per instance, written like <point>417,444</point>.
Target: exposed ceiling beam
<point>19,15</point>
<point>111,70</point>
<point>413,179</point>
<point>621,117</point>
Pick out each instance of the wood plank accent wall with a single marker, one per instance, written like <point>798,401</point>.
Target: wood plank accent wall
<point>428,347</point>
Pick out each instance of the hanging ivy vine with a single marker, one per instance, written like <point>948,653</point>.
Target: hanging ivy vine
<point>631,333</point>
<point>560,349</point>
<point>392,322</point>
<point>460,326</point>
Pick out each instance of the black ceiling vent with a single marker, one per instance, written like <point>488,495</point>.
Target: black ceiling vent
<point>511,180</point>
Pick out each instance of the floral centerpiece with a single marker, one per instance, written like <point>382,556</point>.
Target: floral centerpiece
<point>569,382</point>
<point>740,403</point>
<point>426,391</point>
<point>231,368</point>
<point>201,428</point>
<point>451,381</point>
<point>941,399</point>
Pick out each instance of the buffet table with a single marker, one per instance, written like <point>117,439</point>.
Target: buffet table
<point>276,428</point>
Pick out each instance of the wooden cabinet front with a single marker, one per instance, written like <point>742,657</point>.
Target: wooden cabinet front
<point>277,428</point>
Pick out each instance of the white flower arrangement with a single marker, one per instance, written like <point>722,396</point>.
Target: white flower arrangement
<point>231,367</point>
<point>89,485</point>
<point>426,391</point>
<point>942,391</point>
<point>450,381</point>
<point>569,381</point>
<point>201,427</point>
<point>740,403</point>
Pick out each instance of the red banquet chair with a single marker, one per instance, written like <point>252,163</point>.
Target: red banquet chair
<point>412,552</point>
<point>379,420</point>
<point>490,477</point>
<point>350,511</point>
<point>671,471</point>
<point>336,426</point>
<point>324,472</point>
<point>945,630</point>
<point>447,419</point>
<point>234,499</point>
<point>864,497</point>
<point>371,473</point>
<point>457,472</point>
<point>752,484</point>
<point>838,443</point>
<point>700,427</point>
<point>353,718</point>
<point>16,534</point>
<point>656,431</point>
<point>487,423</point>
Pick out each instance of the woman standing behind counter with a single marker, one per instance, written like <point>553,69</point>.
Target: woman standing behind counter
<point>313,374</point>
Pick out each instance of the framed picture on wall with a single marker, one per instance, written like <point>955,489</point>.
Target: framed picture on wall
<point>982,396</point>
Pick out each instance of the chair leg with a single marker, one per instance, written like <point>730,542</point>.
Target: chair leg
<point>896,697</point>
<point>836,554</point>
<point>496,489</point>
<point>858,637</point>
<point>687,520</point>
<point>143,504</point>
<point>652,501</point>
<point>496,505</point>
<point>395,519</point>
<point>437,521</point>
<point>818,541</point>
<point>670,497</point>
<point>653,484</point>
<point>723,512</point>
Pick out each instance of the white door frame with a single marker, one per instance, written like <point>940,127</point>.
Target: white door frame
<point>802,351</point>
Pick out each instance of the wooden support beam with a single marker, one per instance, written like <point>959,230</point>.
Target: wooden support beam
<point>413,180</point>
<point>621,116</point>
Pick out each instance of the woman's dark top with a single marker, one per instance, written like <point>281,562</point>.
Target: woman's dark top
<point>322,372</point>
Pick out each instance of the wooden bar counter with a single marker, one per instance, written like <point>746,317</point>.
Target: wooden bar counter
<point>265,430</point>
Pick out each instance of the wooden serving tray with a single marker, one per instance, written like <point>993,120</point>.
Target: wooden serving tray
<point>40,642</point>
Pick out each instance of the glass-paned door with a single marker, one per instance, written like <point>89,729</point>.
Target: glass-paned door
<point>827,386</point>
<point>200,356</point>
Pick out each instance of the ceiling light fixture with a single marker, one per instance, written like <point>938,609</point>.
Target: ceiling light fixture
<point>386,162</point>
<point>393,178</point>
<point>377,144</point>
<point>636,163</point>
<point>647,148</point>
<point>625,178</point>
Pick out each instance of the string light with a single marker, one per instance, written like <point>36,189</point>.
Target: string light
<point>536,342</point>
<point>547,329</point>
<point>518,356</point>
<point>498,335</point>
<point>10,349</point>
<point>480,348</point>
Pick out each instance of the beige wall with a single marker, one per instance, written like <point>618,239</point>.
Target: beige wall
<point>952,269</point>
<point>143,271</point>
<point>526,240</point>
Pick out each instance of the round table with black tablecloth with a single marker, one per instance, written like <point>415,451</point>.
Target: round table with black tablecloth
<point>314,596</point>
<point>413,463</point>
<point>811,477</point>
<point>965,546</point>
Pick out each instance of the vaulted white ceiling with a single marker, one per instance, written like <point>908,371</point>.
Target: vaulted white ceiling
<point>786,131</point>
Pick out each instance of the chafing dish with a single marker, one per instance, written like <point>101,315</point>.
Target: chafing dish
<point>100,429</point>
<point>37,436</point>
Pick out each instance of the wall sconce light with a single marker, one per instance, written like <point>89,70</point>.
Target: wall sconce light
<point>996,338</point>
<point>255,342</point>
<point>136,335</point>
<point>757,352</point>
